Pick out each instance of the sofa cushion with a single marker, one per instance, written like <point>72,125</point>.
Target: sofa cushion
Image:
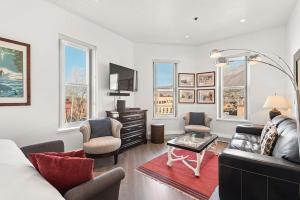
<point>287,145</point>
<point>100,127</point>
<point>197,118</point>
<point>245,145</point>
<point>269,141</point>
<point>19,179</point>
<point>247,137</point>
<point>75,153</point>
<point>65,173</point>
<point>101,145</point>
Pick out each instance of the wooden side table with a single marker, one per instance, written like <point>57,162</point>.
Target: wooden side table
<point>157,133</point>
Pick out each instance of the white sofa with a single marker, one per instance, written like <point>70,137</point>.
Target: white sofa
<point>19,179</point>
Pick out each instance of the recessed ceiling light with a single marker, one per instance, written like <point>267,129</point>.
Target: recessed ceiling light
<point>187,36</point>
<point>243,20</point>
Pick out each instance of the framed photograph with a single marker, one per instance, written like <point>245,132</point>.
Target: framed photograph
<point>206,96</point>
<point>186,80</point>
<point>14,73</point>
<point>186,96</point>
<point>297,67</point>
<point>206,79</point>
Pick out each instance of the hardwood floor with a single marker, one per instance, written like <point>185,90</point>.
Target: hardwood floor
<point>137,186</point>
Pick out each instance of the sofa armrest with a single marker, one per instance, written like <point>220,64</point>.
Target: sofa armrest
<point>249,129</point>
<point>52,146</point>
<point>104,187</point>
<point>244,173</point>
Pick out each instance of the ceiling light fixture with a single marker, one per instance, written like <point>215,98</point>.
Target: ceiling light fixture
<point>187,36</point>
<point>243,20</point>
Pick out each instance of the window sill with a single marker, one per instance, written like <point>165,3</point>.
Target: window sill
<point>68,129</point>
<point>233,120</point>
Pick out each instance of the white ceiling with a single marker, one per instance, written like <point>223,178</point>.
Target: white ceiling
<point>169,21</point>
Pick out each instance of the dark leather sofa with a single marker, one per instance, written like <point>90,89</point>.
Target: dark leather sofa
<point>245,174</point>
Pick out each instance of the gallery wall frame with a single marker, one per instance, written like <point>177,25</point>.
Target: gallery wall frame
<point>186,80</point>
<point>206,96</point>
<point>206,79</point>
<point>186,96</point>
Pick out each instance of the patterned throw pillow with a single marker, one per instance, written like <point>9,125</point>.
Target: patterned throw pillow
<point>269,141</point>
<point>267,127</point>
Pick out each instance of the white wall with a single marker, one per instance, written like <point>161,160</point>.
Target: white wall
<point>39,23</point>
<point>264,80</point>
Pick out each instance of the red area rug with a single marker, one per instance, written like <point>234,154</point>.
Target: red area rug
<point>181,177</point>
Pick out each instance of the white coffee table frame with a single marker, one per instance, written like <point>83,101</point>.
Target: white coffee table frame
<point>172,157</point>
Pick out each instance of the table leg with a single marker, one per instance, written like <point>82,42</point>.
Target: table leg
<point>199,161</point>
<point>216,147</point>
<point>170,151</point>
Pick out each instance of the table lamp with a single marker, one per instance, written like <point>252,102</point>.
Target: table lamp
<point>274,103</point>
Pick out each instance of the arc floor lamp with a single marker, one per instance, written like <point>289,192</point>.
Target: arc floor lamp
<point>254,57</point>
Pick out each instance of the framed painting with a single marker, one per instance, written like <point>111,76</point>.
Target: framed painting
<point>297,67</point>
<point>186,96</point>
<point>186,80</point>
<point>206,79</point>
<point>14,73</point>
<point>206,96</point>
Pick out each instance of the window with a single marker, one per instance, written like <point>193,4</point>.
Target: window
<point>233,90</point>
<point>164,90</point>
<point>76,84</point>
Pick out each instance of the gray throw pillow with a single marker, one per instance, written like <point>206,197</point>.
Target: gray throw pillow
<point>197,118</point>
<point>100,127</point>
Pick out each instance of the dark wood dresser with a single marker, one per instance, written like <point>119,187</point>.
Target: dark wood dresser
<point>134,126</point>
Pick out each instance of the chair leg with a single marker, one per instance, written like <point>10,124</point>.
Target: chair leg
<point>116,157</point>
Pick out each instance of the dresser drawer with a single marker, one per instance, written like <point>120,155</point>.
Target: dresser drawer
<point>131,138</point>
<point>134,127</point>
<point>132,117</point>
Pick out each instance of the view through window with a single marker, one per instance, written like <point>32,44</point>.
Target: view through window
<point>164,90</point>
<point>233,90</point>
<point>76,86</point>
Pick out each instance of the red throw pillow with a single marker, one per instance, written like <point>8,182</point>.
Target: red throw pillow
<point>65,173</point>
<point>75,153</point>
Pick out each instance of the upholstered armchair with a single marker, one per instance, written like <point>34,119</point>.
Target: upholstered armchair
<point>196,128</point>
<point>102,146</point>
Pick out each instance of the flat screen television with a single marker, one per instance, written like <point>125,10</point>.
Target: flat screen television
<point>122,78</point>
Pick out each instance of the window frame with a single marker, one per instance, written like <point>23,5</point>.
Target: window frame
<point>91,76</point>
<point>220,102</point>
<point>175,66</point>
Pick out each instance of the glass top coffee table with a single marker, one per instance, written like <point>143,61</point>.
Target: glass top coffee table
<point>195,142</point>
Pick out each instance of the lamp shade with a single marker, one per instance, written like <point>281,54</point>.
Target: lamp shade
<point>221,62</point>
<point>254,59</point>
<point>215,53</point>
<point>276,102</point>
